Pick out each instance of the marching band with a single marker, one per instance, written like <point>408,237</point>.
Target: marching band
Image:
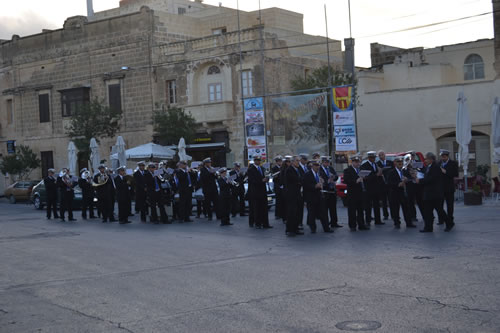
<point>372,186</point>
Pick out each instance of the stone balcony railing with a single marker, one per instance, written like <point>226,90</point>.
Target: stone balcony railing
<point>211,112</point>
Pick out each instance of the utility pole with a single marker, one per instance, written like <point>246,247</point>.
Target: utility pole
<point>245,146</point>
<point>353,72</point>
<point>262,64</point>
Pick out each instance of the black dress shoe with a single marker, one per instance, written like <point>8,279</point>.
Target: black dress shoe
<point>290,234</point>
<point>449,228</point>
<point>363,228</point>
<point>411,225</point>
<point>329,231</point>
<point>125,222</point>
<point>337,226</point>
<point>268,227</point>
<point>243,215</point>
<point>298,232</point>
<point>425,230</point>
<point>440,223</point>
<point>379,223</point>
<point>63,220</point>
<point>188,220</point>
<point>72,220</point>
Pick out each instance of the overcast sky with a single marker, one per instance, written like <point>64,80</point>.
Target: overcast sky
<point>372,21</point>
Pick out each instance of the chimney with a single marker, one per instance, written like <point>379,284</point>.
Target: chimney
<point>90,9</point>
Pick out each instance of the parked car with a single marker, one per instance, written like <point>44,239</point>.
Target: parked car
<point>20,191</point>
<point>39,196</point>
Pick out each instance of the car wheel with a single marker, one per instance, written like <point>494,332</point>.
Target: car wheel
<point>12,199</point>
<point>37,202</point>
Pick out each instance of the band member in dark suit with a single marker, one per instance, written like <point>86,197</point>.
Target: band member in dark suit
<point>141,191</point>
<point>103,188</point>
<point>314,198</point>
<point>433,194</point>
<point>282,181</point>
<point>414,190</point>
<point>329,175</point>
<point>275,171</point>
<point>185,189</point>
<point>372,185</point>
<point>224,204</point>
<point>386,167</point>
<point>123,195</point>
<point>112,191</point>
<point>398,195</point>
<point>238,198</point>
<point>155,195</point>
<point>257,193</point>
<point>449,169</point>
<point>303,168</point>
<point>66,185</point>
<point>355,189</point>
<point>85,183</point>
<point>209,186</point>
<point>293,195</point>
<point>51,190</point>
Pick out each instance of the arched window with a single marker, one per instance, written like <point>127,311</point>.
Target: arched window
<point>213,70</point>
<point>473,67</point>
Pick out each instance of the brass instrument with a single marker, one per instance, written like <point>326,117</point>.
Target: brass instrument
<point>102,178</point>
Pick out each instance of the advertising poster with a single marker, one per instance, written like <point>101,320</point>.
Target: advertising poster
<point>343,118</point>
<point>255,128</point>
<point>300,123</point>
<point>345,143</point>
<point>347,130</point>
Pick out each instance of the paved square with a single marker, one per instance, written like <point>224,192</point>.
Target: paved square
<point>200,277</point>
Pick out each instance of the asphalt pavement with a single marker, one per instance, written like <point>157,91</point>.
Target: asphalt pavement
<point>87,276</point>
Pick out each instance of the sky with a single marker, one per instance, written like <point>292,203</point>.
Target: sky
<point>401,23</point>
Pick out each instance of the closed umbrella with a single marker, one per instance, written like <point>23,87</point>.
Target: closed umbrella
<point>495,130</point>
<point>463,134</point>
<point>120,150</point>
<point>95,158</point>
<point>182,151</point>
<point>72,158</point>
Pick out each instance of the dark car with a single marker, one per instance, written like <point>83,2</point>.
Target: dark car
<point>39,197</point>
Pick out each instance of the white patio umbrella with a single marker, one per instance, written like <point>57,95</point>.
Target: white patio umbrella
<point>120,150</point>
<point>95,158</point>
<point>495,130</point>
<point>72,158</point>
<point>463,134</point>
<point>182,151</point>
<point>149,151</point>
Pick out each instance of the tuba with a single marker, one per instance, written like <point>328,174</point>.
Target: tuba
<point>102,178</point>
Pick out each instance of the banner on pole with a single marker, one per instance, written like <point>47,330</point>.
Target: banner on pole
<point>344,128</point>
<point>255,128</point>
<point>345,143</point>
<point>301,124</point>
<point>342,98</point>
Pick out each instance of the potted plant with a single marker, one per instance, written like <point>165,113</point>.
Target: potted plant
<point>474,196</point>
<point>482,179</point>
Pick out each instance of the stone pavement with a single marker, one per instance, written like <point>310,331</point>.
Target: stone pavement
<point>200,277</point>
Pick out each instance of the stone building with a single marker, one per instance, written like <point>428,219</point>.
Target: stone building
<point>147,55</point>
<point>409,98</point>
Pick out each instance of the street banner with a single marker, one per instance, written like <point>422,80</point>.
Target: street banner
<point>343,118</point>
<point>348,130</point>
<point>345,143</point>
<point>299,124</point>
<point>343,98</point>
<point>255,128</point>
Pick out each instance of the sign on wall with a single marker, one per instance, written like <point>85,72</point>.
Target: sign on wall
<point>11,146</point>
<point>255,128</point>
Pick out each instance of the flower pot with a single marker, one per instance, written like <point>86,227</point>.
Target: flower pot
<point>473,198</point>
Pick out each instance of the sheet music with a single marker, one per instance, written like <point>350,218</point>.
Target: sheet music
<point>364,173</point>
<point>243,170</point>
<point>195,164</point>
<point>129,172</point>
<point>157,173</point>
<point>420,175</point>
<point>417,165</point>
<point>170,171</point>
<point>232,178</point>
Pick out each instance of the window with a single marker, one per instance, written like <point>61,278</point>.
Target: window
<point>246,78</point>
<point>213,70</point>
<point>44,108</point>
<point>71,99</point>
<point>473,67</point>
<point>10,111</point>
<point>115,97</point>
<point>215,92</point>
<point>181,10</point>
<point>171,92</point>
<point>47,162</point>
<point>219,31</point>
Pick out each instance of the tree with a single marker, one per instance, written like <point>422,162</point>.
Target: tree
<point>20,164</point>
<point>319,79</point>
<point>172,124</point>
<point>92,120</point>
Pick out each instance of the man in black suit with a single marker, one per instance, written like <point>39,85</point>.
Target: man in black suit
<point>141,191</point>
<point>287,162</point>
<point>224,203</point>
<point>275,171</point>
<point>50,183</point>
<point>316,202</point>
<point>185,190</point>
<point>302,170</point>
<point>386,167</point>
<point>209,186</point>
<point>85,183</point>
<point>449,170</point>
<point>123,195</point>
<point>398,195</point>
<point>293,196</point>
<point>329,175</point>
<point>66,184</point>
<point>238,192</point>
<point>355,194</point>
<point>433,194</point>
<point>103,189</point>
<point>257,193</point>
<point>372,185</point>
<point>155,195</point>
